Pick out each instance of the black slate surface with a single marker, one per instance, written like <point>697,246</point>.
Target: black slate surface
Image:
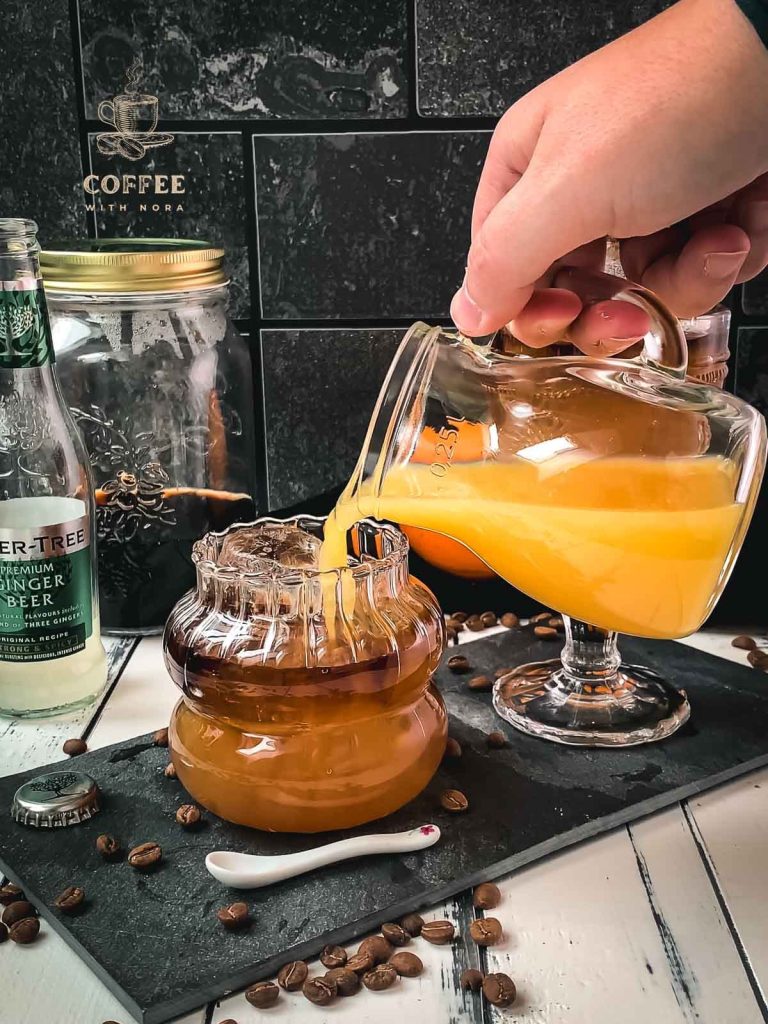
<point>154,938</point>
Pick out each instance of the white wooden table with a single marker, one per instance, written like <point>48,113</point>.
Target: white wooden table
<point>661,922</point>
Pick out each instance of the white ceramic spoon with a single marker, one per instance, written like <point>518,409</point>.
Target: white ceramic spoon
<point>248,871</point>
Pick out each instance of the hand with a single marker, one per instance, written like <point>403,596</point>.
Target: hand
<point>665,126</point>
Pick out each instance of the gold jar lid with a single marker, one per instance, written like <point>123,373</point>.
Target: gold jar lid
<point>119,265</point>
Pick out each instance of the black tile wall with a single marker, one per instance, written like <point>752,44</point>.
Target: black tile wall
<point>320,387</point>
<point>478,57</point>
<point>751,377</point>
<point>756,296</point>
<point>364,225</point>
<point>245,59</point>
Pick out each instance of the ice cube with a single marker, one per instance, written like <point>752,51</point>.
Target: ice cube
<point>249,548</point>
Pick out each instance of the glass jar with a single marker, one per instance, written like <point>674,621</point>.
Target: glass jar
<point>307,702</point>
<point>159,383</point>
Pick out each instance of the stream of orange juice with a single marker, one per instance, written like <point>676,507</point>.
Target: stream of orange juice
<point>638,545</point>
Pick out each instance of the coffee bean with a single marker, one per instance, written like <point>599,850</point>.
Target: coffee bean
<point>745,643</point>
<point>381,977</point>
<point>758,659</point>
<point>346,981</point>
<point>292,976</point>
<point>474,623</point>
<point>540,617</point>
<point>262,994</point>
<point>455,624</point>
<point>3,934</point>
<point>451,635</point>
<point>486,931</point>
<point>234,916</point>
<point>108,846</point>
<point>18,911</point>
<point>229,1020</point>
<point>395,934</point>
<point>188,816</point>
<point>471,980</point>
<point>407,964</point>
<point>170,770</point>
<point>460,616</point>
<point>145,856</point>
<point>360,962</point>
<point>488,619</point>
<point>69,900</point>
<point>75,747</point>
<point>10,893</point>
<point>486,896</point>
<point>24,931</point>
<point>458,663</point>
<point>319,991</point>
<point>378,947</point>
<point>496,740</point>
<point>439,933</point>
<point>333,956</point>
<point>510,620</point>
<point>160,738</point>
<point>499,989</point>
<point>480,684</point>
<point>413,923</point>
<point>557,623</point>
<point>545,633</point>
<point>452,748</point>
<point>453,800</point>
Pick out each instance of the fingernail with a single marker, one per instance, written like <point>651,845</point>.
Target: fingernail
<point>720,265</point>
<point>466,313</point>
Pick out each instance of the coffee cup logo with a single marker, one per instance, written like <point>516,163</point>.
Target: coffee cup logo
<point>133,117</point>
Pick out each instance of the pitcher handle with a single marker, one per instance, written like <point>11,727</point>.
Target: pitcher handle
<point>664,346</point>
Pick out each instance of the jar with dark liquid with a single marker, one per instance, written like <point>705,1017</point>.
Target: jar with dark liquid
<point>307,702</point>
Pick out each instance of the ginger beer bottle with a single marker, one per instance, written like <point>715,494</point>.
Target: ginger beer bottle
<point>51,657</point>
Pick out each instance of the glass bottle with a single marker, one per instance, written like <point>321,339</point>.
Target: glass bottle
<point>51,656</point>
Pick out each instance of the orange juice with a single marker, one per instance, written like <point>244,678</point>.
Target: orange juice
<point>641,545</point>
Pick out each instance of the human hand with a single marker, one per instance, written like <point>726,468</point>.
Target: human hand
<point>659,139</point>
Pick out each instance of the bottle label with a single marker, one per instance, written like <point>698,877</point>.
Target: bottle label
<point>25,334</point>
<point>45,591</point>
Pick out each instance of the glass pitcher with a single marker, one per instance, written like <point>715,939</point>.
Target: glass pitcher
<point>613,490</point>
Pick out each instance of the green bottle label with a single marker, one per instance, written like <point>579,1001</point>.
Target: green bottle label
<point>45,591</point>
<point>25,334</point>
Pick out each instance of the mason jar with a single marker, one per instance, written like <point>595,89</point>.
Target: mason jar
<point>159,382</point>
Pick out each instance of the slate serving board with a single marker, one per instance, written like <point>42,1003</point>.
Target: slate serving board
<point>154,939</point>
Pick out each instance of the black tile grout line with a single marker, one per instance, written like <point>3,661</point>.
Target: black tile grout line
<point>412,61</point>
<point>724,909</point>
<point>343,324</point>
<point>96,716</point>
<point>79,83</point>
<point>320,126</point>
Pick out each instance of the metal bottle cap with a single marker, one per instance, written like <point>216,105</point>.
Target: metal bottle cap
<point>56,799</point>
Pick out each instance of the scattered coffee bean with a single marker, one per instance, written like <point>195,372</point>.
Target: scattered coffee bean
<point>381,977</point>
<point>346,981</point>
<point>24,931</point>
<point>395,934</point>
<point>160,738</point>
<point>496,740</point>
<point>10,893</point>
<point>75,747</point>
<point>108,846</point>
<point>333,956</point>
<point>145,856</point>
<point>292,976</point>
<point>360,963</point>
<point>480,684</point>
<point>745,643</point>
<point>319,991</point>
<point>69,900</point>
<point>189,816</point>
<point>499,989</point>
<point>455,624</point>
<point>452,748</point>
<point>378,947</point>
<point>486,896</point>
<point>17,912</point>
<point>439,933</point>
<point>234,916</point>
<point>474,623</point>
<point>453,800</point>
<point>3,934</point>
<point>540,617</point>
<point>557,623</point>
<point>413,923</point>
<point>471,979</point>
<point>486,931</point>
<point>460,616</point>
<point>510,620</point>
<point>488,619</point>
<point>545,632</point>
<point>451,635</point>
<point>407,964</point>
<point>262,994</point>
<point>229,1020</point>
<point>170,770</point>
<point>758,659</point>
<point>458,663</point>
